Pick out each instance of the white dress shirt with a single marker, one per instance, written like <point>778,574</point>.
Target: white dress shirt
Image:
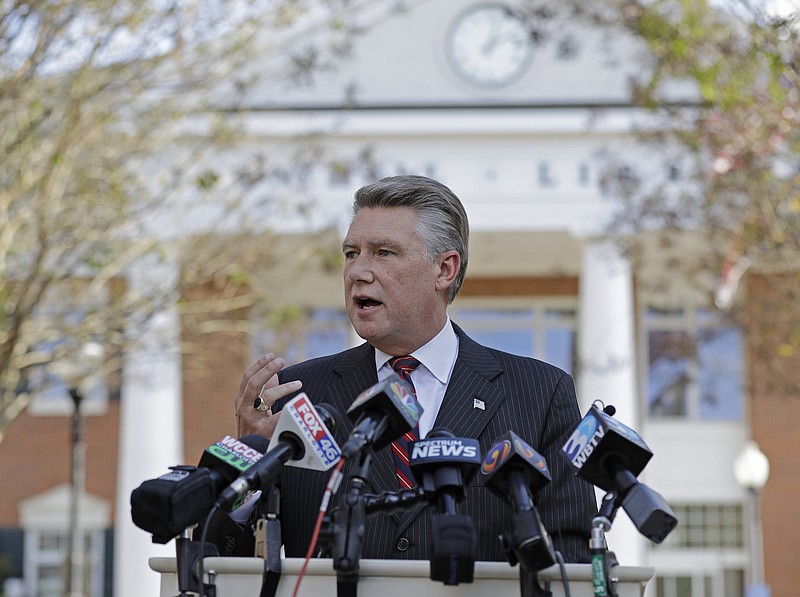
<point>437,359</point>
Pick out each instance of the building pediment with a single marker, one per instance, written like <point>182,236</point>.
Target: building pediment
<point>49,510</point>
<point>450,53</point>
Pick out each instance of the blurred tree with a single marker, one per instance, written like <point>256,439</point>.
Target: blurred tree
<point>114,115</point>
<point>722,81</point>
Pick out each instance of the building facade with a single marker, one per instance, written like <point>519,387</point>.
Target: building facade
<point>519,135</point>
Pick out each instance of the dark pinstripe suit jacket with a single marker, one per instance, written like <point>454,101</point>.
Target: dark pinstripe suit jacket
<point>529,397</point>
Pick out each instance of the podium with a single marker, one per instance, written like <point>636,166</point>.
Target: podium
<point>241,577</point>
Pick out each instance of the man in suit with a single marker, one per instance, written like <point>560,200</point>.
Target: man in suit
<point>405,258</point>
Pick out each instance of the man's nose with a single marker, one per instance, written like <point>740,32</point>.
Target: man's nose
<point>359,269</point>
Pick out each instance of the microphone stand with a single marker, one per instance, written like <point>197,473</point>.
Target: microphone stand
<point>348,531</point>
<point>526,546</point>
<point>187,552</point>
<point>603,559</point>
<point>391,502</point>
<point>268,540</point>
<point>527,542</point>
<point>183,562</point>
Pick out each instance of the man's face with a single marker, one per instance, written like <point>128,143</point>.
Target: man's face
<point>396,299</point>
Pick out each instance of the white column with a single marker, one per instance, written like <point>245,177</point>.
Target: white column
<point>607,351</point>
<point>150,429</point>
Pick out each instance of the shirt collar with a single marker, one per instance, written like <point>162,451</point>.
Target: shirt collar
<point>438,355</point>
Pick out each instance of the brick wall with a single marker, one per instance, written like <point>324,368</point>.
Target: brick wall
<point>774,369</point>
<point>35,456</point>
<point>213,364</point>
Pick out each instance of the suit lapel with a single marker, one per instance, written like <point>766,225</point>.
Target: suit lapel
<point>354,372</point>
<point>472,397</point>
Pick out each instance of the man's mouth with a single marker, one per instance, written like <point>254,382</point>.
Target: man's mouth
<point>366,303</point>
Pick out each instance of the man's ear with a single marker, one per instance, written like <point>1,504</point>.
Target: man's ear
<point>449,265</point>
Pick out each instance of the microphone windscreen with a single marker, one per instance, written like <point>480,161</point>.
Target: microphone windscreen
<point>328,415</point>
<point>175,501</point>
<point>649,512</point>
<point>300,422</point>
<point>454,548</point>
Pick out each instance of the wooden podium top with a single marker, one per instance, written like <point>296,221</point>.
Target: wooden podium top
<point>241,577</point>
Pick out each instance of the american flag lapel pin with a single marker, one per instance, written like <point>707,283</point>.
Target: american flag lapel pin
<point>476,403</point>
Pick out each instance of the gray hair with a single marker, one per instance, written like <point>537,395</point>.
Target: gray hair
<point>442,222</point>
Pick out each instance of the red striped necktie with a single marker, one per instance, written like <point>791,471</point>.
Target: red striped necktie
<point>404,366</point>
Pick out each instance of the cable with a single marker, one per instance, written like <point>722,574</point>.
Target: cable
<point>203,535</point>
<point>330,489</point>
<point>563,567</point>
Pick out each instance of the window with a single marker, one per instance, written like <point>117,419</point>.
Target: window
<point>705,555</point>
<point>328,333</point>
<point>45,520</point>
<point>559,338</point>
<point>706,526</point>
<point>675,586</point>
<point>45,556</point>
<point>543,332</point>
<point>694,366</point>
<point>305,335</point>
<point>726,583</point>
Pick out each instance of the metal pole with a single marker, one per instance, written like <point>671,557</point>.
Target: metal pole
<point>751,469</point>
<point>757,586</point>
<point>75,555</point>
<point>758,542</point>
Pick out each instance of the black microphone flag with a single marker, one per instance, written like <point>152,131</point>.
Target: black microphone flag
<point>381,414</point>
<point>600,445</point>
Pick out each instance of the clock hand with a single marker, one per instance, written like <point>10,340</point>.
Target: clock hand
<point>495,31</point>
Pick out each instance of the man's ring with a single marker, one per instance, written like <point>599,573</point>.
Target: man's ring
<point>260,404</point>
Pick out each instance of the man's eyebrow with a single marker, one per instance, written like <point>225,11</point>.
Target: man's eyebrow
<point>374,243</point>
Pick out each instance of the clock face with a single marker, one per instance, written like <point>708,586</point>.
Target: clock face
<point>489,46</point>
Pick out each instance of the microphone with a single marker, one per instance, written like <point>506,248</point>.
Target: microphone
<point>381,414</point>
<point>600,441</point>
<point>510,457</point>
<point>611,455</point>
<point>442,465</point>
<point>182,498</point>
<point>303,439</point>
<point>514,471</point>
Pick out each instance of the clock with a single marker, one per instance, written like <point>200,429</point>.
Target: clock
<point>488,45</point>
